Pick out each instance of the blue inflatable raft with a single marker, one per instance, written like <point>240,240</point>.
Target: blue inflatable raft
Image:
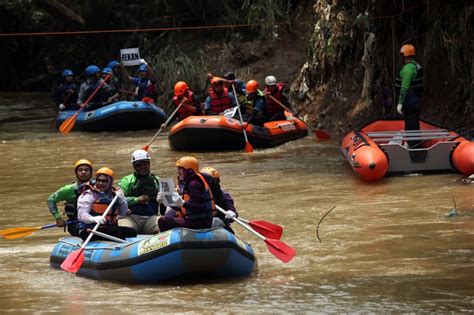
<point>174,254</point>
<point>120,116</point>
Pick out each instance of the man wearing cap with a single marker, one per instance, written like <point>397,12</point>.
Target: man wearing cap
<point>140,189</point>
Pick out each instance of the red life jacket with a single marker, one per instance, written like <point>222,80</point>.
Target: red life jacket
<point>272,106</point>
<point>184,111</point>
<point>220,103</point>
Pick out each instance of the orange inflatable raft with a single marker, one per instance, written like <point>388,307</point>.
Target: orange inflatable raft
<point>380,148</point>
<point>216,133</point>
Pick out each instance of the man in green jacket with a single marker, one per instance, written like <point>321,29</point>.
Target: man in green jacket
<point>141,189</point>
<point>69,193</point>
<point>409,89</point>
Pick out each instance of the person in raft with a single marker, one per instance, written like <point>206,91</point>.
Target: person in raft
<point>70,193</point>
<point>195,202</point>
<point>219,98</point>
<point>222,198</point>
<point>94,201</point>
<point>108,75</point>
<point>409,89</point>
<point>191,105</point>
<point>273,110</point>
<point>65,96</point>
<point>141,189</point>
<point>88,87</point>
<point>145,81</point>
<point>255,104</point>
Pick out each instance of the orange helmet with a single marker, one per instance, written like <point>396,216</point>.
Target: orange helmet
<point>82,162</point>
<point>188,162</point>
<point>105,171</point>
<point>251,86</point>
<point>216,80</point>
<point>211,172</point>
<point>408,50</point>
<point>180,88</point>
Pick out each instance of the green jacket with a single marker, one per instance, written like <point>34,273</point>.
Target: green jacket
<point>127,184</point>
<point>66,193</point>
<point>409,83</point>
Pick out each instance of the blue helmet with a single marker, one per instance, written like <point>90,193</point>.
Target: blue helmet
<point>106,70</point>
<point>112,64</point>
<point>67,73</point>
<point>142,68</point>
<point>91,70</point>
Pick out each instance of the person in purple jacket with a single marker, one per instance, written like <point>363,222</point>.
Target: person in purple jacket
<point>222,198</point>
<point>195,202</point>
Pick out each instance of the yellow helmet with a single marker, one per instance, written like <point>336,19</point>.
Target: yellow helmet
<point>211,172</point>
<point>82,162</point>
<point>408,50</point>
<point>188,162</point>
<point>105,171</point>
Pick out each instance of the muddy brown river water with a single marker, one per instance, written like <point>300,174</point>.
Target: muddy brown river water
<point>386,247</point>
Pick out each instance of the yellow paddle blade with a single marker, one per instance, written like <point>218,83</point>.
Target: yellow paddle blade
<point>68,124</point>
<point>19,232</point>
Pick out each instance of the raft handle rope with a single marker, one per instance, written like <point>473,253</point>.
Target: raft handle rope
<point>117,247</point>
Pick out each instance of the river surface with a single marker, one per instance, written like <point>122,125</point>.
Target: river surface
<point>386,247</point>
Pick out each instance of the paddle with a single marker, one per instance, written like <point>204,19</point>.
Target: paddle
<point>19,232</point>
<point>74,260</point>
<point>51,125</point>
<point>68,124</point>
<point>279,249</point>
<point>248,146</point>
<point>267,229</point>
<point>163,125</point>
<point>317,132</point>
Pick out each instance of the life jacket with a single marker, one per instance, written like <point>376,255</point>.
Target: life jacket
<point>99,207</point>
<point>149,186</point>
<point>415,90</point>
<point>220,103</point>
<point>66,98</point>
<point>272,107</point>
<point>208,206</point>
<point>217,195</point>
<point>100,96</point>
<point>70,208</point>
<point>183,111</point>
<point>146,88</point>
<point>249,104</point>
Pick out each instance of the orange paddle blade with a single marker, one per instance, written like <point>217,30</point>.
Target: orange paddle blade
<point>146,147</point>
<point>19,232</point>
<point>280,250</point>
<point>321,134</point>
<point>68,124</point>
<point>248,147</point>
<point>73,261</point>
<point>267,229</point>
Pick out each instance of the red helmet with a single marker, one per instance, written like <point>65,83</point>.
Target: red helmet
<point>408,50</point>
<point>180,88</point>
<point>251,86</point>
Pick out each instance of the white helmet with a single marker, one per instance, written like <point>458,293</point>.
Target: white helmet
<point>140,155</point>
<point>270,80</point>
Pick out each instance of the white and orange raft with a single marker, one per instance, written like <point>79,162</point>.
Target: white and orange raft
<point>380,148</point>
<point>216,133</point>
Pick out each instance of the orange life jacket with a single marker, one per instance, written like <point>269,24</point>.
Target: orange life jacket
<point>101,204</point>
